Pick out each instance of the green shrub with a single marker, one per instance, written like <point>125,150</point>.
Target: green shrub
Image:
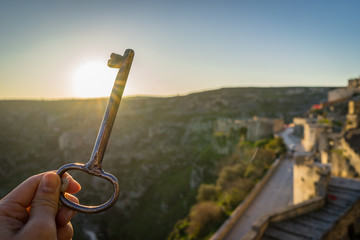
<point>179,230</point>
<point>203,217</point>
<point>277,146</point>
<point>261,142</point>
<point>243,184</point>
<point>324,121</point>
<point>253,172</point>
<point>207,192</point>
<point>232,198</point>
<point>229,174</point>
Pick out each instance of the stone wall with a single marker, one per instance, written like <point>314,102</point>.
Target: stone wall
<point>352,156</point>
<point>311,131</point>
<point>257,128</point>
<point>278,125</point>
<point>339,93</point>
<point>311,134</point>
<point>352,118</point>
<point>310,180</point>
<point>340,166</point>
<point>352,121</point>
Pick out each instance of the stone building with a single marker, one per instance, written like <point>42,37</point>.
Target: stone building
<point>334,216</point>
<point>352,118</point>
<point>345,92</point>
<point>310,180</point>
<point>257,128</point>
<point>326,187</point>
<point>339,94</point>
<point>350,145</point>
<point>311,131</point>
<point>324,207</point>
<point>354,83</point>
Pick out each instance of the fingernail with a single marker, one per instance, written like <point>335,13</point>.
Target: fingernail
<point>77,184</point>
<point>50,182</point>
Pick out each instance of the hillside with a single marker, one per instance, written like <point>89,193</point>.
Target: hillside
<point>161,150</point>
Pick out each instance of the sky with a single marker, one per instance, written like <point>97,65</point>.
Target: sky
<point>52,49</point>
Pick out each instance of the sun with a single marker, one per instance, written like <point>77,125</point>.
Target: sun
<point>93,79</point>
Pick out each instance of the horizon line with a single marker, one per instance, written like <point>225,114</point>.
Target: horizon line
<point>154,96</point>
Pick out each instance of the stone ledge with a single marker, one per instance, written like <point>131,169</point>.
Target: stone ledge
<point>288,212</point>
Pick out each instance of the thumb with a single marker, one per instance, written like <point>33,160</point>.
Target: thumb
<point>44,205</point>
<point>46,199</point>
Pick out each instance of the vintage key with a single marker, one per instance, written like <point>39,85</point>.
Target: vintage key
<point>94,166</point>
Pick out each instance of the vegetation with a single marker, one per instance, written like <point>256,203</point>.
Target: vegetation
<point>324,121</point>
<point>234,181</point>
<point>203,217</point>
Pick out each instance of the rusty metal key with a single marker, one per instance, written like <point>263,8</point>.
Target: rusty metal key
<point>94,165</point>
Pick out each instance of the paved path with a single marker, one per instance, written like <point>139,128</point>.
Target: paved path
<point>289,139</point>
<point>277,193</point>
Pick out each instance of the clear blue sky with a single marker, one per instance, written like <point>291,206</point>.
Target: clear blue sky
<point>180,46</point>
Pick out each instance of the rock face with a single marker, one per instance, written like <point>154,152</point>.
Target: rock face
<point>161,149</point>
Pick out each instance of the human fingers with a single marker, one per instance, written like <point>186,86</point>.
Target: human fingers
<point>24,193</point>
<point>15,204</point>
<point>65,232</point>
<point>65,214</point>
<point>44,206</point>
<point>73,185</point>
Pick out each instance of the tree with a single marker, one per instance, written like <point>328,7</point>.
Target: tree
<point>203,216</point>
<point>276,145</point>
<point>207,192</point>
<point>229,174</point>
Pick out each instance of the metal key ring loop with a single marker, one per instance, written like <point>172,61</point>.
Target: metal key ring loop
<point>90,209</point>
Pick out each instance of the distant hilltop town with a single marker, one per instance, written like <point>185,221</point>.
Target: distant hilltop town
<point>345,92</point>
<point>330,132</point>
<point>324,189</point>
<point>326,186</point>
<point>332,126</point>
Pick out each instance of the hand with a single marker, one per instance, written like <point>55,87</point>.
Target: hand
<point>31,211</point>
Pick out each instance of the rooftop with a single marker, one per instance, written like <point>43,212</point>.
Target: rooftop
<point>341,197</point>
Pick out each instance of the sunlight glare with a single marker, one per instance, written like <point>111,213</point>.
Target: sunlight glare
<point>93,79</point>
